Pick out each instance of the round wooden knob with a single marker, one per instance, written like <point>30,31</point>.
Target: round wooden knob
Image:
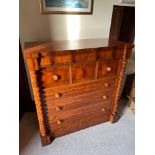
<point>105,97</point>
<point>103,109</point>
<point>109,69</point>
<point>106,84</point>
<point>59,121</point>
<point>55,77</point>
<point>57,95</point>
<point>58,108</point>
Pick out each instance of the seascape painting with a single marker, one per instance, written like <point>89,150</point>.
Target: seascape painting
<point>67,3</point>
<point>67,6</point>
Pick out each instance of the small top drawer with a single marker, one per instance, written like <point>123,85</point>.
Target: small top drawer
<point>53,76</point>
<point>82,72</point>
<point>53,58</point>
<point>107,68</point>
<point>73,90</point>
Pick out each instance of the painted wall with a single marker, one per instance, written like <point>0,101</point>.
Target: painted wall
<point>40,27</point>
<point>35,26</point>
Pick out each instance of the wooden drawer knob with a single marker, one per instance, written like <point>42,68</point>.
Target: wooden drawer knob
<point>103,109</point>
<point>106,84</point>
<point>109,69</point>
<point>57,95</point>
<point>59,121</point>
<point>58,108</point>
<point>55,77</point>
<point>105,97</point>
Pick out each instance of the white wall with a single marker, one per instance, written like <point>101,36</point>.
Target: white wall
<point>44,27</point>
<point>35,26</point>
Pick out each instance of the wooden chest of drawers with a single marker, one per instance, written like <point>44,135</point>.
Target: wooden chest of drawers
<point>76,84</point>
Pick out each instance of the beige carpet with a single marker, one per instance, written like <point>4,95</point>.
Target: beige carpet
<point>103,139</point>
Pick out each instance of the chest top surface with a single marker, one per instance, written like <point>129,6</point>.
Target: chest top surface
<point>63,45</point>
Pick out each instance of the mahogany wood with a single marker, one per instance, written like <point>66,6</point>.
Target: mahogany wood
<point>76,84</point>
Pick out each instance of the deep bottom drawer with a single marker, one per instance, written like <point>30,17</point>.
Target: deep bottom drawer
<point>78,123</point>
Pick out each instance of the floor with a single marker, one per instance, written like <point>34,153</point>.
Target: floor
<point>103,139</point>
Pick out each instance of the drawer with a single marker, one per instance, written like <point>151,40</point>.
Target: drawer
<point>82,72</point>
<point>59,93</point>
<point>107,68</point>
<point>52,76</point>
<point>77,122</point>
<point>85,55</point>
<point>54,58</point>
<point>55,107</point>
<point>78,97</point>
<point>84,109</point>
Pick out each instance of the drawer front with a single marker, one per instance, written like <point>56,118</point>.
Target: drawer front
<point>57,107</point>
<point>107,68</point>
<point>47,58</point>
<point>62,99</point>
<point>82,72</point>
<point>54,58</point>
<point>79,105</point>
<point>58,93</point>
<point>78,122</point>
<point>84,55</point>
<point>53,76</point>
<point>59,75</point>
<point>86,108</point>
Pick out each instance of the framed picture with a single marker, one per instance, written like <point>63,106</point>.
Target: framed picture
<point>66,6</point>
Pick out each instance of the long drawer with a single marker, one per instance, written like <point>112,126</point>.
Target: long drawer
<point>78,122</point>
<point>48,58</point>
<point>76,89</point>
<point>67,116</point>
<point>66,104</point>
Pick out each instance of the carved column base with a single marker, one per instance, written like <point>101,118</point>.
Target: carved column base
<point>114,117</point>
<point>46,140</point>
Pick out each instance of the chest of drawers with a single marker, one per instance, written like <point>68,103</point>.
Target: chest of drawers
<point>76,84</point>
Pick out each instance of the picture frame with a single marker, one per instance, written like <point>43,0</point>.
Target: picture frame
<point>84,7</point>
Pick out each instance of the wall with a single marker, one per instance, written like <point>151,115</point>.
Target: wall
<point>43,27</point>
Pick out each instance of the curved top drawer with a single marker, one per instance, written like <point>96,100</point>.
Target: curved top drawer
<point>46,58</point>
